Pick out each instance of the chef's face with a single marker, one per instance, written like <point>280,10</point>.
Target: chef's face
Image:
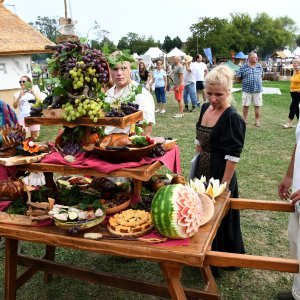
<point>121,74</point>
<point>217,96</point>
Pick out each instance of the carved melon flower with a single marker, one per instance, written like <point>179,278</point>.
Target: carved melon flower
<point>30,146</point>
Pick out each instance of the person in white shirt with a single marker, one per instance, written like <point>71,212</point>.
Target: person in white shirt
<point>200,73</point>
<point>123,85</point>
<point>189,82</point>
<point>23,100</point>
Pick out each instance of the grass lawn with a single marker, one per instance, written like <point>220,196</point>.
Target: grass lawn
<point>264,160</point>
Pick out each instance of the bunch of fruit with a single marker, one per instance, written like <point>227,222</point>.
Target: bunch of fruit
<point>83,107</point>
<point>123,110</point>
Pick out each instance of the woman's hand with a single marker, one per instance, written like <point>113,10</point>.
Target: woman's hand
<point>283,188</point>
<point>295,197</point>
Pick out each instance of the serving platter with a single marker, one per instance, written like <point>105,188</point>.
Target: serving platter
<point>125,154</point>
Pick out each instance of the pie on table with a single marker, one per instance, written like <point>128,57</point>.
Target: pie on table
<point>130,223</point>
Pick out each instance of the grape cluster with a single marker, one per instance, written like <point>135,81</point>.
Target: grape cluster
<point>94,58</point>
<point>114,112</point>
<point>157,151</point>
<point>18,136</point>
<point>125,110</point>
<point>129,108</point>
<point>82,107</point>
<point>71,148</point>
<point>36,111</point>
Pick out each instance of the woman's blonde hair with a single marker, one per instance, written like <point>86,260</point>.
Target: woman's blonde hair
<point>220,75</point>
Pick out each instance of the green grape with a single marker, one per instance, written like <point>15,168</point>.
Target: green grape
<point>77,101</point>
<point>94,80</point>
<point>69,119</point>
<point>95,119</point>
<point>87,79</point>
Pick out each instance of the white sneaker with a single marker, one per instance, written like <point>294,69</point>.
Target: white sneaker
<point>157,111</point>
<point>287,125</point>
<point>162,111</point>
<point>178,116</point>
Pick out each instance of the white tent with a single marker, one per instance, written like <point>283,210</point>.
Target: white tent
<point>176,52</point>
<point>288,53</point>
<point>296,52</point>
<point>155,52</point>
<point>135,55</point>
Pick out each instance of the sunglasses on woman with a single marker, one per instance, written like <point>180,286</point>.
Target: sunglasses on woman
<point>22,81</point>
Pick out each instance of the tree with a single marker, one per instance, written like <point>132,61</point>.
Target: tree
<point>47,26</point>
<point>136,43</point>
<point>169,43</point>
<point>297,40</point>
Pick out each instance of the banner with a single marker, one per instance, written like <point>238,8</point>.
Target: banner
<point>208,54</point>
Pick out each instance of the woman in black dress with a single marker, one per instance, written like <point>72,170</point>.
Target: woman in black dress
<point>220,139</point>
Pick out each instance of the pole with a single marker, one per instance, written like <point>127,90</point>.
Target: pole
<point>66,15</point>
<point>197,45</point>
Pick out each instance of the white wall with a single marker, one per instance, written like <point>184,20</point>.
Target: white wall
<point>12,68</point>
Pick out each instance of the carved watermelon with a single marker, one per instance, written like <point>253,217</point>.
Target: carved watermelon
<point>176,211</point>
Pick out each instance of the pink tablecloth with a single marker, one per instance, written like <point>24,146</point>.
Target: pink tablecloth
<point>90,160</point>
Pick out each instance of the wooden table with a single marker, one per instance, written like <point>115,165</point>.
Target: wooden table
<point>171,259</point>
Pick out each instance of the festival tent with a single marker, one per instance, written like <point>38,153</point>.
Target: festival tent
<point>279,54</point>
<point>288,53</point>
<point>296,52</point>
<point>176,52</point>
<point>241,55</point>
<point>232,66</point>
<point>155,53</point>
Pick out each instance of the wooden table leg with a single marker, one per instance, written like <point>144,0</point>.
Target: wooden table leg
<point>11,260</point>
<point>210,284</point>
<point>172,274</point>
<point>137,189</point>
<point>50,255</point>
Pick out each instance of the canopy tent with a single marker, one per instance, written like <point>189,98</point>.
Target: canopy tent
<point>135,55</point>
<point>279,54</point>
<point>241,55</point>
<point>232,66</point>
<point>288,53</point>
<point>155,53</point>
<point>296,52</point>
<point>176,52</point>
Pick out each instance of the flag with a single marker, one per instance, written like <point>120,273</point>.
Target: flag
<point>208,54</point>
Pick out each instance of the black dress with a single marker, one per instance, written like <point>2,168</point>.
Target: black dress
<point>225,138</point>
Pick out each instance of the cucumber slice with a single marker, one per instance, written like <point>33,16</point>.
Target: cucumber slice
<point>72,215</point>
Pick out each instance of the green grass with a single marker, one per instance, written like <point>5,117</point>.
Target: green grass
<point>264,160</point>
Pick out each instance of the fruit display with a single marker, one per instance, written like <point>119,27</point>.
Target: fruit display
<point>12,136</point>
<point>130,223</point>
<point>213,188</point>
<point>177,211</point>
<point>74,219</point>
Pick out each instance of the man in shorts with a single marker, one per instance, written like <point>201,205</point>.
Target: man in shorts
<point>201,71</point>
<point>178,85</point>
<point>251,74</point>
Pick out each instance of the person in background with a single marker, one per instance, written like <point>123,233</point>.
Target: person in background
<point>123,85</point>
<point>220,135</point>
<point>160,82</point>
<point>189,82</point>
<point>201,71</point>
<point>144,74</point>
<point>24,100</point>
<point>295,94</point>
<point>178,85</point>
<point>251,74</point>
<point>289,189</point>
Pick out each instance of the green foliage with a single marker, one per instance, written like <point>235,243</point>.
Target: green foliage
<point>241,33</point>
<point>297,40</point>
<point>136,43</point>
<point>47,26</point>
<point>120,58</point>
<point>169,43</point>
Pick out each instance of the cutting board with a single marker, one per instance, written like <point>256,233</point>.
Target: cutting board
<point>21,159</point>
